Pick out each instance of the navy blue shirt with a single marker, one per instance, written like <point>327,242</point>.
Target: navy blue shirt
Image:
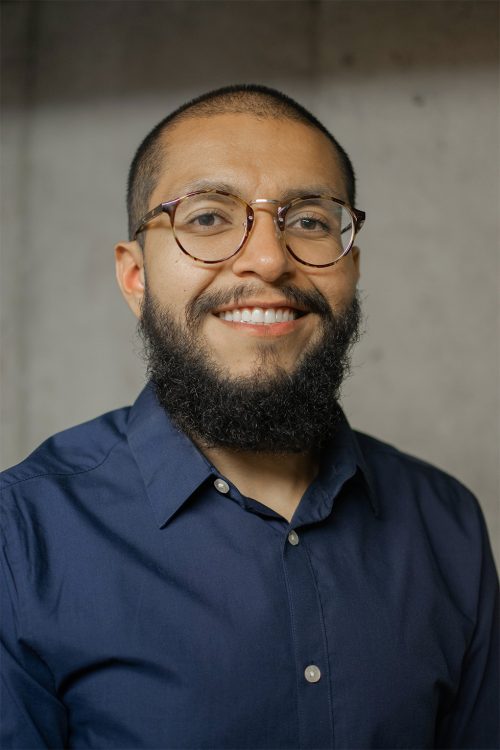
<point>148,604</point>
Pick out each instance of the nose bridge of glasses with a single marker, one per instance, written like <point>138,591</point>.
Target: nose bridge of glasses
<point>264,200</point>
<point>261,204</point>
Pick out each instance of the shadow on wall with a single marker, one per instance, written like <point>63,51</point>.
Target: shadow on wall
<point>110,49</point>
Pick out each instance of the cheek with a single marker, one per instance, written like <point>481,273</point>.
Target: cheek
<point>340,286</point>
<point>176,281</point>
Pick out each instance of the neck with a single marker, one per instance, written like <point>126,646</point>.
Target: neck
<point>277,481</point>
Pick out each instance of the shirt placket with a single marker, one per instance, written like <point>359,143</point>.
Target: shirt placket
<point>315,721</point>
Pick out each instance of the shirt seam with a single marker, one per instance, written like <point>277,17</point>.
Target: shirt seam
<point>377,446</point>
<point>294,646</point>
<point>62,473</point>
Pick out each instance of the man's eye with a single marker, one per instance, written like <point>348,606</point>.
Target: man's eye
<point>206,220</point>
<point>203,221</point>
<point>309,224</point>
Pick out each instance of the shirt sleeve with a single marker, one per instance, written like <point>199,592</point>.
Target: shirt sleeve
<point>31,715</point>
<point>473,719</point>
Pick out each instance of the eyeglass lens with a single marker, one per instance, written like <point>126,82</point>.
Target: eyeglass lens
<point>211,227</point>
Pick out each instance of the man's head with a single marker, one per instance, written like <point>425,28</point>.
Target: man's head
<point>291,355</point>
<point>260,101</point>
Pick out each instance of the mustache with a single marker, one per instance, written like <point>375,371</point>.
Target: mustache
<point>311,300</point>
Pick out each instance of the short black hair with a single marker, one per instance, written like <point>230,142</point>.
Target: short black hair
<point>260,101</point>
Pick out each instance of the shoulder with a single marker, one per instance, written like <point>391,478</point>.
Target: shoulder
<point>389,463</point>
<point>77,450</point>
<point>42,497</point>
<point>430,516</point>
<point>410,487</point>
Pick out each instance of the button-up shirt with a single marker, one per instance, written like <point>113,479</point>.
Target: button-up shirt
<point>147,603</point>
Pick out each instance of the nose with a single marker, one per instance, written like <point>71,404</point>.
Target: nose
<point>264,254</point>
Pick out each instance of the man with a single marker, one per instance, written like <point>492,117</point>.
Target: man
<point>226,564</point>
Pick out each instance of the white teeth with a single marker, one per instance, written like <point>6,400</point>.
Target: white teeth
<point>259,316</point>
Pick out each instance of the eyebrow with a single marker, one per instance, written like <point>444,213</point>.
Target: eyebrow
<point>284,197</point>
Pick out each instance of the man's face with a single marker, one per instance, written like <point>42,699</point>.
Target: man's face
<point>251,158</point>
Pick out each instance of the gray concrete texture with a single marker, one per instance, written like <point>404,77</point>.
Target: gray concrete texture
<point>409,88</point>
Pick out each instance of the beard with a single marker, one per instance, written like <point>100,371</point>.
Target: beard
<point>271,410</point>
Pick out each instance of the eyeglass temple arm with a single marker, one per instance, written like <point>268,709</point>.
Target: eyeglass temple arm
<point>359,220</point>
<point>151,215</point>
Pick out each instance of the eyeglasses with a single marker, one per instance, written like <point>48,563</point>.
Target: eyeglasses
<point>211,226</point>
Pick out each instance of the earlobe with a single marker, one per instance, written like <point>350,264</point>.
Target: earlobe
<point>129,262</point>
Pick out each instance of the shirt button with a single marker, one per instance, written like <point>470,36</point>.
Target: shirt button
<point>293,538</point>
<point>312,673</point>
<point>221,486</point>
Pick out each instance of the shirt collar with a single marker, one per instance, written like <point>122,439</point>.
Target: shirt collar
<point>172,468</point>
<point>341,461</point>
<point>347,450</point>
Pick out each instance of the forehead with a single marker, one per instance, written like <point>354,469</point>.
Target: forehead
<point>259,157</point>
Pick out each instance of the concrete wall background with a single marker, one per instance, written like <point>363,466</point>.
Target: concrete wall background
<point>409,88</point>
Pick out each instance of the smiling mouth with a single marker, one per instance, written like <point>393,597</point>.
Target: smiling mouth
<point>260,315</point>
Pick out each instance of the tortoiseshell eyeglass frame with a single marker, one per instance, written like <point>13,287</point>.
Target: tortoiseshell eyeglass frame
<point>170,207</point>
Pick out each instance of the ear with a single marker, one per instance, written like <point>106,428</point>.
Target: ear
<point>129,262</point>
